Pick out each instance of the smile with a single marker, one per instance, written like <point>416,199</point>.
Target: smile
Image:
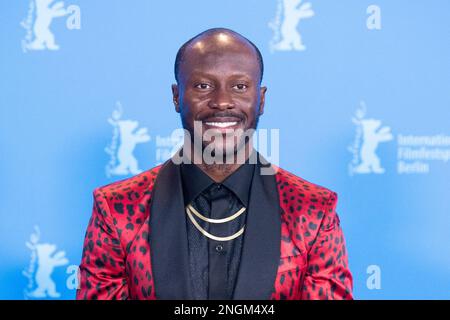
<point>221,124</point>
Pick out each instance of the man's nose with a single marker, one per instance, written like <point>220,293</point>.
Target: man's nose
<point>222,99</point>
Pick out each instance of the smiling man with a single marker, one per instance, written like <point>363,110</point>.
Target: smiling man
<point>210,223</point>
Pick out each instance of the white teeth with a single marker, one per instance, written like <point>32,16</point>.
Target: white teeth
<point>221,124</point>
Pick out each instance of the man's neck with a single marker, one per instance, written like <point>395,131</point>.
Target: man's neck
<point>220,171</point>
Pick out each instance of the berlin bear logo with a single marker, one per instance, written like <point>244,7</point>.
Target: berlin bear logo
<point>286,36</point>
<point>45,14</point>
<point>41,14</point>
<point>44,259</point>
<point>126,136</point>
<point>370,133</point>
<point>372,137</point>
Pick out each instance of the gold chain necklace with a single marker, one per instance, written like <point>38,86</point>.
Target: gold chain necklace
<point>232,217</point>
<point>190,209</point>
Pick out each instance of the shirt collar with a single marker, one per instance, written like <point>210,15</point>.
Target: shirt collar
<point>195,181</point>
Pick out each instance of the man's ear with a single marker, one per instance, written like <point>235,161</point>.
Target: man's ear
<point>262,99</point>
<point>176,96</point>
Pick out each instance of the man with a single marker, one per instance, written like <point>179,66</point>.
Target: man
<point>206,227</point>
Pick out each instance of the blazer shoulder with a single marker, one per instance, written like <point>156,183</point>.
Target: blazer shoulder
<point>307,207</point>
<point>288,180</point>
<point>128,199</point>
<point>299,196</point>
<point>124,205</point>
<point>129,188</point>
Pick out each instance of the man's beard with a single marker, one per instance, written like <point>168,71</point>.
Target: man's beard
<point>230,145</point>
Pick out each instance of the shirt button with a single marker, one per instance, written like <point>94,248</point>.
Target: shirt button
<point>219,248</point>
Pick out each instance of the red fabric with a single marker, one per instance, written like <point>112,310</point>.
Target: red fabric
<point>116,254</point>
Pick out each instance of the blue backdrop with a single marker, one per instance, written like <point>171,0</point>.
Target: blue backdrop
<point>360,91</point>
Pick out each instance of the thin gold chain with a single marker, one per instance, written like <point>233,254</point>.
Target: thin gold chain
<point>209,235</point>
<point>232,217</point>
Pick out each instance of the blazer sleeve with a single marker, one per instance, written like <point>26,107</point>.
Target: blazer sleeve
<point>328,275</point>
<point>102,270</point>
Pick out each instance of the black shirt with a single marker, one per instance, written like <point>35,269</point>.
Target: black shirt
<point>214,264</point>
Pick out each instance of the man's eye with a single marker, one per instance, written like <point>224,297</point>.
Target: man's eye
<point>203,86</point>
<point>240,86</point>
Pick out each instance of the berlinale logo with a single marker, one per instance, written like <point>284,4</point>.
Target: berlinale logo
<point>44,259</point>
<point>286,36</point>
<point>41,14</point>
<point>369,134</point>
<point>126,135</point>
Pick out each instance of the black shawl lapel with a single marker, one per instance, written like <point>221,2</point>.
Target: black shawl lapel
<point>168,236</point>
<point>261,249</point>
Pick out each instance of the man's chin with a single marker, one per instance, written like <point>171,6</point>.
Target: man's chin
<point>223,153</point>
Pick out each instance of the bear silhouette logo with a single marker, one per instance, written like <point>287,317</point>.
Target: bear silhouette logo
<point>126,136</point>
<point>286,36</point>
<point>44,259</point>
<point>43,37</point>
<point>370,133</point>
<point>41,14</point>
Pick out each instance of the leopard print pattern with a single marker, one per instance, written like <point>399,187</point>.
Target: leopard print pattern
<point>116,253</point>
<point>313,262</point>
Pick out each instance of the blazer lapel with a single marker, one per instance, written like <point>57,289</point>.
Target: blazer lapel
<point>261,248</point>
<point>168,236</point>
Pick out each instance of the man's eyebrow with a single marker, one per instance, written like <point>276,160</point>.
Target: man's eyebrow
<point>211,75</point>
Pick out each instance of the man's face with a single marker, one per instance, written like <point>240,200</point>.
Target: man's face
<point>219,86</point>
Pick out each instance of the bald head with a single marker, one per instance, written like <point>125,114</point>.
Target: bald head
<point>214,41</point>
